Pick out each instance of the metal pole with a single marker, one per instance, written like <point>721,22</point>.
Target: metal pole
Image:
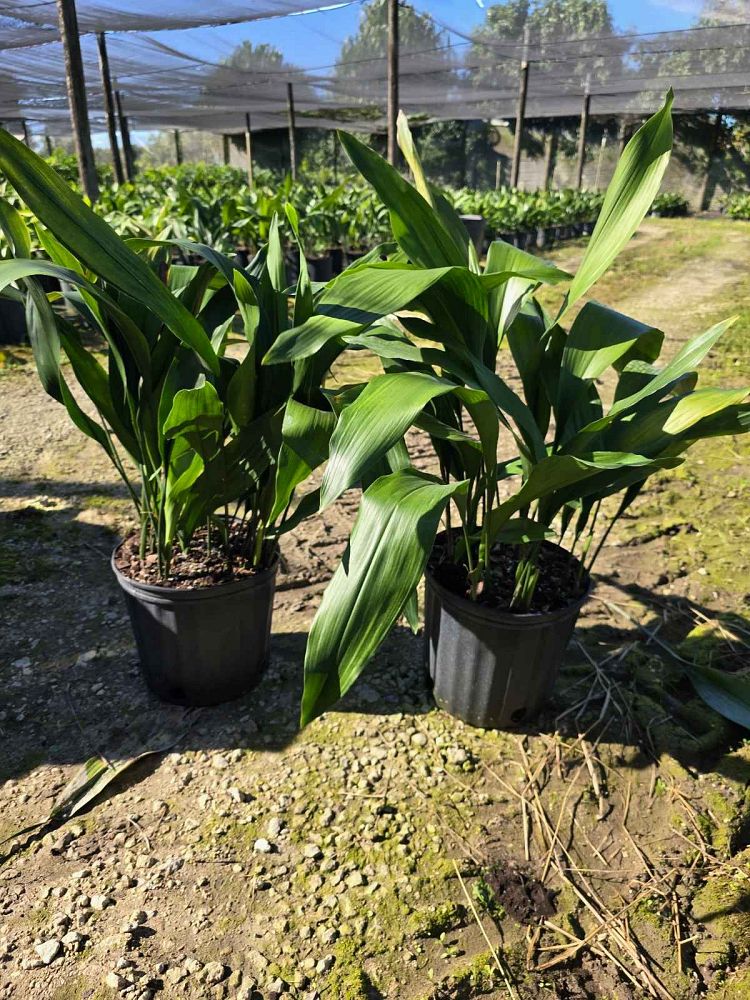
<point>249,152</point>
<point>225,149</point>
<point>127,149</point>
<point>79,114</point>
<point>705,197</point>
<point>582,137</point>
<point>48,143</point>
<point>392,99</point>
<point>335,143</point>
<point>523,86</point>
<point>26,136</point>
<point>498,174</point>
<point>109,107</point>
<point>292,134</point>
<point>550,152</point>
<point>178,147</point>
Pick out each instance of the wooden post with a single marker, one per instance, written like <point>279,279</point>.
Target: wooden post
<point>464,152</point>
<point>498,174</point>
<point>706,190</point>
<point>225,149</point>
<point>392,98</point>
<point>292,131</point>
<point>602,147</point>
<point>178,147</point>
<point>622,136</point>
<point>335,142</point>
<point>109,107</point>
<point>550,153</point>
<point>582,136</point>
<point>127,149</point>
<point>249,152</point>
<point>26,136</point>
<point>79,114</point>
<point>48,143</point>
<point>523,86</point>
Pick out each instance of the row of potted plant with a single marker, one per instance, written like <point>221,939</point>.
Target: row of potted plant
<point>217,452</point>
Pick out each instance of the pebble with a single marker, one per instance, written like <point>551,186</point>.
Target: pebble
<point>116,982</point>
<point>192,965</point>
<point>312,851</point>
<point>262,846</point>
<point>49,950</point>
<point>274,827</point>
<point>419,739</point>
<point>101,902</point>
<point>456,755</point>
<point>213,973</point>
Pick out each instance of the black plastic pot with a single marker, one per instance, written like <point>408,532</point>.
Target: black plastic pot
<point>475,226</point>
<point>337,259</point>
<point>354,255</point>
<point>320,268</point>
<point>489,668</point>
<point>202,646</point>
<point>12,322</point>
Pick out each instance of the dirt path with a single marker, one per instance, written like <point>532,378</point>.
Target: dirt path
<point>250,861</point>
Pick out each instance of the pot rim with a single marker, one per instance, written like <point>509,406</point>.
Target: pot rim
<point>498,616</point>
<point>156,591</point>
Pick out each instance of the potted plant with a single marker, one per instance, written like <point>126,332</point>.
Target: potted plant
<point>207,445</point>
<point>523,482</point>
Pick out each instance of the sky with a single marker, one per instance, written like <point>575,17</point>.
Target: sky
<point>309,40</point>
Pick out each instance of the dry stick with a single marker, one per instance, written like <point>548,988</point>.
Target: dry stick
<point>677,931</point>
<point>594,774</point>
<point>501,965</point>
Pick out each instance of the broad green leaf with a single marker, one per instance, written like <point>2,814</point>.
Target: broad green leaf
<point>406,145</point>
<point>15,229</point>
<point>374,423</point>
<point>387,553</point>
<point>417,227</point>
<point>89,237</point>
<point>629,196</point>
<point>306,433</point>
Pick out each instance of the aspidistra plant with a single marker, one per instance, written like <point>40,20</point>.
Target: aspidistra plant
<point>192,431</point>
<point>513,468</point>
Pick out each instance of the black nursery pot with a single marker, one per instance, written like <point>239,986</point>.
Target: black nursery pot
<point>13,328</point>
<point>204,645</point>
<point>490,668</point>
<point>320,268</point>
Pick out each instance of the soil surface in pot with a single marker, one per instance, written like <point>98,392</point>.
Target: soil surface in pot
<point>559,577</point>
<point>196,566</point>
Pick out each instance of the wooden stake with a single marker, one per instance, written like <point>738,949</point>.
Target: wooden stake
<point>705,195</point>
<point>125,132</point>
<point>178,147</point>
<point>26,135</point>
<point>550,152</point>
<point>79,114</point>
<point>292,131</point>
<point>109,107</point>
<point>225,149</point>
<point>523,86</point>
<point>249,152</point>
<point>48,144</point>
<point>582,137</point>
<point>393,99</point>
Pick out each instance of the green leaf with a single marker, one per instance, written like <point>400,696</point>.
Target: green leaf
<point>15,229</point>
<point>89,237</point>
<point>417,227</point>
<point>629,196</point>
<point>388,550</point>
<point>373,423</point>
<point>306,433</point>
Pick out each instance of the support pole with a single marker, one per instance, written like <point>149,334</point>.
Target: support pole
<point>292,131</point>
<point>600,158</point>
<point>79,114</point>
<point>335,142</point>
<point>26,136</point>
<point>249,152</point>
<point>498,174</point>
<point>109,107</point>
<point>127,149</point>
<point>550,153</point>
<point>523,86</point>
<point>178,147</point>
<point>393,99</point>
<point>622,137</point>
<point>582,137</point>
<point>713,149</point>
<point>48,143</point>
<point>225,149</point>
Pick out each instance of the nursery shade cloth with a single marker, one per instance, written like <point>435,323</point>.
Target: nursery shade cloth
<point>171,64</point>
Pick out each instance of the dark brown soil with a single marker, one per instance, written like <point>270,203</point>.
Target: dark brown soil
<point>559,584</point>
<point>523,898</point>
<point>196,566</point>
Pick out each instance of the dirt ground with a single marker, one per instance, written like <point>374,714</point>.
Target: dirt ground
<point>388,850</point>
